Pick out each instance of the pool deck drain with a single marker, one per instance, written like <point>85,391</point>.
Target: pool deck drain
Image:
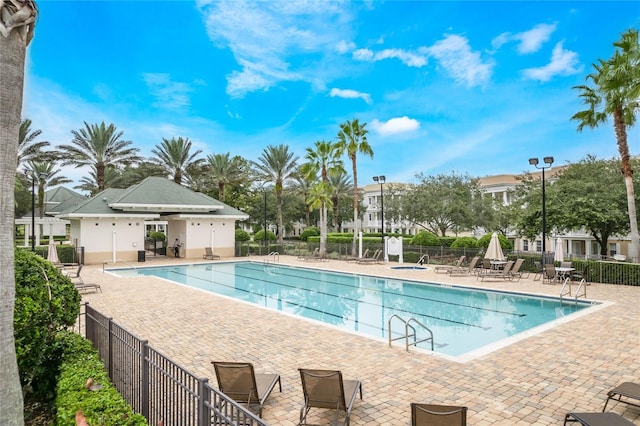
<point>534,381</point>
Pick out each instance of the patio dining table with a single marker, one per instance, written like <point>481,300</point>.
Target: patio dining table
<point>564,272</point>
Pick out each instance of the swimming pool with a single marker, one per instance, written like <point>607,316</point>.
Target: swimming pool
<point>462,319</point>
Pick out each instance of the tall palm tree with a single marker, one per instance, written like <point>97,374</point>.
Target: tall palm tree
<point>305,177</point>
<point>99,147</point>
<point>28,148</point>
<point>352,138</point>
<point>276,165</point>
<point>111,179</point>
<point>17,22</point>
<point>224,170</point>
<point>326,156</point>
<point>616,92</point>
<point>175,156</point>
<point>340,185</point>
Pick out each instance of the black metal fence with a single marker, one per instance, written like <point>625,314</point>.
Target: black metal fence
<point>600,270</point>
<point>157,387</point>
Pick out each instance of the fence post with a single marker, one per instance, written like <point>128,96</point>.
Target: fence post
<point>145,385</point>
<point>204,416</point>
<point>110,348</point>
<point>88,325</point>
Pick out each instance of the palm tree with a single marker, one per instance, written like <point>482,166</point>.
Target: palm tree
<point>47,175</point>
<point>616,92</point>
<point>276,165</point>
<point>99,147</point>
<point>326,156</point>
<point>305,177</point>
<point>225,170</point>
<point>112,179</point>
<point>352,138</point>
<point>320,198</point>
<point>175,156</point>
<point>28,148</point>
<point>17,22</point>
<point>340,185</point>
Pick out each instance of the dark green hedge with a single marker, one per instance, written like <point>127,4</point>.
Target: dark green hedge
<point>46,302</point>
<point>101,404</point>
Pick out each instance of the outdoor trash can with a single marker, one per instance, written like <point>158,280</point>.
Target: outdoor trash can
<point>141,256</point>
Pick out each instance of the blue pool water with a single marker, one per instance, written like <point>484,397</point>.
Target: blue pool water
<point>462,319</point>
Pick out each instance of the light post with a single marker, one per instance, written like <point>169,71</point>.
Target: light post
<point>534,162</point>
<point>381,180</point>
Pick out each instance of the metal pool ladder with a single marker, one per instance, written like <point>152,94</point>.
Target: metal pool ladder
<point>274,257</point>
<point>580,291</point>
<point>409,331</point>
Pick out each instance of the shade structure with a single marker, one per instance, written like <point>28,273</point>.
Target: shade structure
<point>52,256</point>
<point>559,251</point>
<point>494,251</point>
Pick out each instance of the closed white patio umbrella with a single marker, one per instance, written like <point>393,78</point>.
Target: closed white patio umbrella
<point>559,251</point>
<point>52,256</point>
<point>494,251</point>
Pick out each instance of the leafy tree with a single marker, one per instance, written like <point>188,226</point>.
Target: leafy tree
<point>17,19</point>
<point>276,165</point>
<point>590,195</point>
<point>326,157</point>
<point>352,138</point>
<point>99,147</point>
<point>175,156</point>
<point>28,148</point>
<point>616,93</point>
<point>441,202</point>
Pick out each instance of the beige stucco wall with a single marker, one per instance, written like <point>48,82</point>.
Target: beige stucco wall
<point>99,237</point>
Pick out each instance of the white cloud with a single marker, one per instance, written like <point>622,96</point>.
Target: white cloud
<point>345,46</point>
<point>464,65</point>
<point>563,62</point>
<point>529,41</point>
<point>265,37</point>
<point>395,126</point>
<point>350,94</point>
<point>169,94</point>
<point>532,40</point>
<point>408,58</point>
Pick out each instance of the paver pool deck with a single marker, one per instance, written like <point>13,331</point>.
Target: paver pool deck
<point>534,381</point>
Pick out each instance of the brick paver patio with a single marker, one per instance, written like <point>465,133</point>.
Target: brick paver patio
<point>534,381</point>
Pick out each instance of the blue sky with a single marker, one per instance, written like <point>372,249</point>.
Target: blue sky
<point>468,87</point>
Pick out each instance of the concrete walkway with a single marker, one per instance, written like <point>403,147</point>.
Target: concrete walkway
<point>534,381</point>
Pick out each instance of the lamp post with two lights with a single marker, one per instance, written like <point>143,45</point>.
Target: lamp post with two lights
<point>534,162</point>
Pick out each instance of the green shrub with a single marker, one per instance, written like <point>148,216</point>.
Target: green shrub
<point>101,406</point>
<point>465,242</point>
<point>504,241</point>
<point>46,302</point>
<point>242,235</point>
<point>259,236</point>
<point>447,241</point>
<point>425,238</point>
<point>311,231</point>
<point>158,236</point>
